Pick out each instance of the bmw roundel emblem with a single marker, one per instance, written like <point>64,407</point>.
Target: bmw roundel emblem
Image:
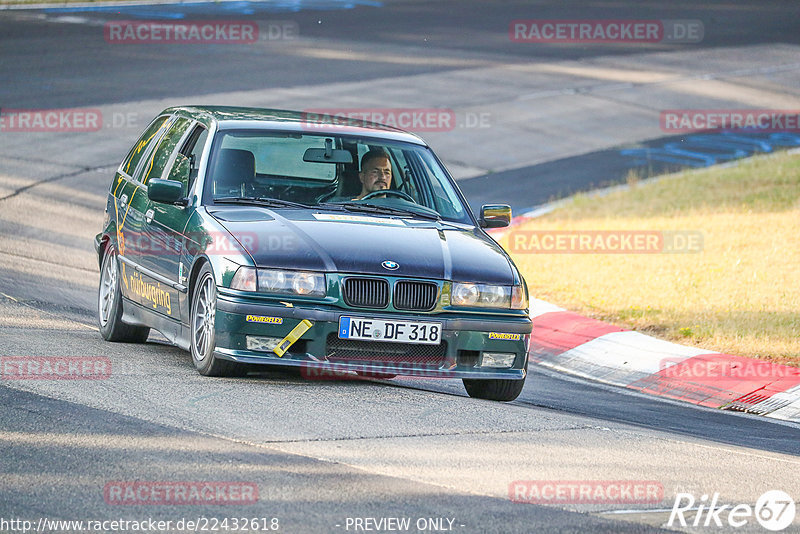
<point>391,265</point>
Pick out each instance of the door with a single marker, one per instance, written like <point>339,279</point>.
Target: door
<point>166,223</point>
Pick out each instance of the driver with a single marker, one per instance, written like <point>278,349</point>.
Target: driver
<point>376,172</point>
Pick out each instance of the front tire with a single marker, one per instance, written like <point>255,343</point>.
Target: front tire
<point>109,305</point>
<point>498,390</point>
<point>202,321</point>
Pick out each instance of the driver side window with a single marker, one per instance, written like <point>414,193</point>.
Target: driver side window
<point>193,149</point>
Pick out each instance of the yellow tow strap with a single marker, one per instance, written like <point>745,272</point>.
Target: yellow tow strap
<point>293,336</point>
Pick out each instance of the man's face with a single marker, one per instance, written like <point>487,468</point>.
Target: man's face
<point>376,175</point>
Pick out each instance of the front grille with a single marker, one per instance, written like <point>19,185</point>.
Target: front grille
<point>415,296</point>
<point>366,292</point>
<point>431,356</point>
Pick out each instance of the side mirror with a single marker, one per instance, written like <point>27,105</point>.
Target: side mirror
<point>165,191</point>
<point>495,215</point>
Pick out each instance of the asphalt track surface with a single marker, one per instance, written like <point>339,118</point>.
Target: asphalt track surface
<point>320,452</point>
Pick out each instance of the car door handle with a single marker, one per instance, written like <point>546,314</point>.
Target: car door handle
<point>148,215</point>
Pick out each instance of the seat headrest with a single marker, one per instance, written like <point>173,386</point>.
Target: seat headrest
<point>234,168</point>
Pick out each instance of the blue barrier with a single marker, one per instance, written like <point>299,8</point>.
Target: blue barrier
<point>702,150</point>
<point>181,10</point>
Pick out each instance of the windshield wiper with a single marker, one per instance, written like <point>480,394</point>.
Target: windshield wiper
<point>262,201</point>
<point>349,206</point>
<point>387,210</point>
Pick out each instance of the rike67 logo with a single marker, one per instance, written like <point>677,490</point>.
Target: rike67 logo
<point>774,510</point>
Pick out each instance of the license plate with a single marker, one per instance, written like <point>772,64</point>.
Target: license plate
<point>393,331</point>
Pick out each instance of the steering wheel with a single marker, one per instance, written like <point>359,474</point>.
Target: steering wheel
<point>324,197</point>
<point>394,192</point>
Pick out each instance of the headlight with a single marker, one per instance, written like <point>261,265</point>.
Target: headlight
<point>495,296</point>
<point>271,280</point>
<point>481,295</point>
<point>279,282</point>
<point>464,295</point>
<point>488,296</point>
<point>307,284</point>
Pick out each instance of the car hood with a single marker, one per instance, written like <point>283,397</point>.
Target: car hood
<point>361,243</point>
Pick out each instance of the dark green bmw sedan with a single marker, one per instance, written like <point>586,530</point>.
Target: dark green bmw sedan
<point>255,236</point>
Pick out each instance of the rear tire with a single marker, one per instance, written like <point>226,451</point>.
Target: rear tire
<point>109,305</point>
<point>498,390</point>
<point>202,322</point>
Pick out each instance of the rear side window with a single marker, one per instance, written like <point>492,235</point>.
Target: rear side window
<point>148,138</point>
<point>160,156</point>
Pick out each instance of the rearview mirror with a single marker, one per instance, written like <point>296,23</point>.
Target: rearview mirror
<point>495,215</point>
<point>320,155</point>
<point>328,154</point>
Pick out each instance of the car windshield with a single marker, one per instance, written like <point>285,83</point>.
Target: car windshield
<point>325,171</point>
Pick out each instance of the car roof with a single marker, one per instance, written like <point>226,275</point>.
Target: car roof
<point>311,122</point>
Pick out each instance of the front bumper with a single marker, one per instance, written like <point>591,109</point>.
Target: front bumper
<point>464,339</point>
